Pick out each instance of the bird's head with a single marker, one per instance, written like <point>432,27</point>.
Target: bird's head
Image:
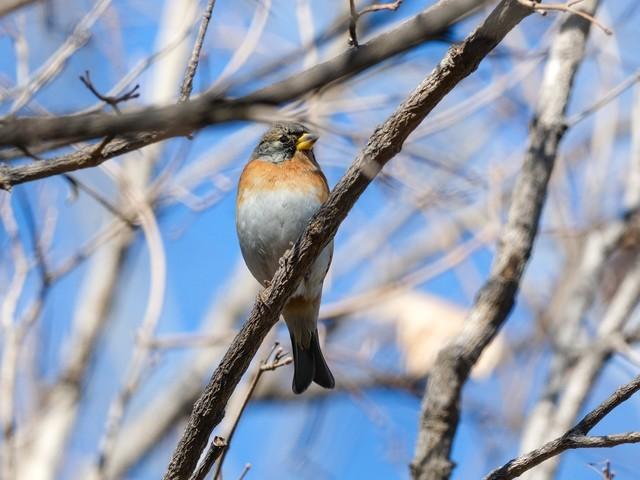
<point>283,140</point>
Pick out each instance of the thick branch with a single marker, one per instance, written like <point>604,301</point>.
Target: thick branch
<point>574,438</point>
<point>210,109</point>
<point>85,158</point>
<point>385,142</point>
<point>441,405</point>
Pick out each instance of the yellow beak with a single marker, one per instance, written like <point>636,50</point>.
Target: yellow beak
<point>306,141</point>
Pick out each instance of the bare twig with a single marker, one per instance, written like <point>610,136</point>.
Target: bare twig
<point>187,82</point>
<point>576,437</point>
<point>355,16</point>
<point>245,470</point>
<point>565,7</point>
<point>112,101</point>
<point>279,360</point>
<point>615,92</point>
<point>461,60</point>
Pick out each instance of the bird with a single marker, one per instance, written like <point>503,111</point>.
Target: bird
<point>279,190</point>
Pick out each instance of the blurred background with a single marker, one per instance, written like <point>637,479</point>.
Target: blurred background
<point>122,285</point>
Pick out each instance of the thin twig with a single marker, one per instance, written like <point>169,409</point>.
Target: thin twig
<point>245,470</point>
<point>598,104</point>
<point>112,101</point>
<point>279,360</point>
<point>99,198</point>
<point>187,82</point>
<point>355,16</point>
<point>576,437</point>
<point>565,7</point>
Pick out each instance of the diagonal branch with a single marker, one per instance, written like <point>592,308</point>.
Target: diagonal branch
<point>441,404</point>
<point>574,438</point>
<point>460,61</point>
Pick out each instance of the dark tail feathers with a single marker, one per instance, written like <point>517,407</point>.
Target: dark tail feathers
<point>309,366</point>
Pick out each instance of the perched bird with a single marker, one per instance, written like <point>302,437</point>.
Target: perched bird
<point>280,189</point>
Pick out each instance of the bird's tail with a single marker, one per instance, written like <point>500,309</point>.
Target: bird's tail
<point>309,365</point>
<point>301,316</point>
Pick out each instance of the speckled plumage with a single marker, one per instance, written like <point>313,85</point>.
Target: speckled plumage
<point>279,190</point>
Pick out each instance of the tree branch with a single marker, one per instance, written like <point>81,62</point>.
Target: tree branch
<point>210,108</point>
<point>441,404</point>
<point>187,82</point>
<point>386,142</point>
<point>355,16</point>
<point>574,438</point>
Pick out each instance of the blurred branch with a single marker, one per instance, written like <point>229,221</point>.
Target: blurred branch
<point>143,432</point>
<point>142,349</point>
<point>209,108</point>
<point>245,470</point>
<point>576,437</point>
<point>454,256</point>
<point>617,90</point>
<point>54,64</point>
<point>441,404</point>
<point>582,373</point>
<point>570,311</point>
<point>571,378</point>
<point>11,339</point>
<point>244,51</point>
<point>565,7</point>
<point>460,61</point>
<point>8,6</point>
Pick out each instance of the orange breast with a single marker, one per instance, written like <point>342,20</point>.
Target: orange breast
<point>297,174</point>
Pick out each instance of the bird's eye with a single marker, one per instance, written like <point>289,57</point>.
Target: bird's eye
<point>283,138</point>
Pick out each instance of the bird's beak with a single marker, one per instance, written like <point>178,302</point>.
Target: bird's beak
<point>306,141</point>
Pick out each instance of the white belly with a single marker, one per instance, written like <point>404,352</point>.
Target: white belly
<point>268,224</point>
